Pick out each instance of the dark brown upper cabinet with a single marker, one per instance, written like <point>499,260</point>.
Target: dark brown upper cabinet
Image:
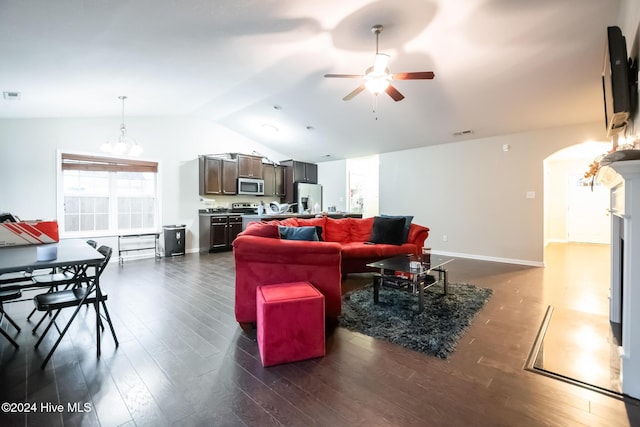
<point>301,171</point>
<point>217,176</point>
<point>249,166</point>
<point>273,180</point>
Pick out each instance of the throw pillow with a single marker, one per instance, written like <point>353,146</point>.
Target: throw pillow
<point>407,224</point>
<point>387,230</point>
<point>298,233</point>
<point>262,229</point>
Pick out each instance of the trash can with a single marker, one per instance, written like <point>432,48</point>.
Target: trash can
<point>174,236</point>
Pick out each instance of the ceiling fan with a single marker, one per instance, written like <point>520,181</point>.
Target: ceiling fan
<point>377,78</point>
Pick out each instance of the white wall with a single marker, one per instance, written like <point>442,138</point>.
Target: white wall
<point>28,150</point>
<point>629,22</point>
<point>475,193</point>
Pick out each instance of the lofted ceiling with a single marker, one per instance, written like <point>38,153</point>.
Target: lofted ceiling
<point>501,66</point>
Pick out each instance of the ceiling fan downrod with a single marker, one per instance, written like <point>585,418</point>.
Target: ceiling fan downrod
<point>377,29</point>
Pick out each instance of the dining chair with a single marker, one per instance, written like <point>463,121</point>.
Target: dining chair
<point>88,292</point>
<point>60,278</point>
<point>8,296</point>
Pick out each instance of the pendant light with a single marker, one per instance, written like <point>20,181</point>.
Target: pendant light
<point>123,145</point>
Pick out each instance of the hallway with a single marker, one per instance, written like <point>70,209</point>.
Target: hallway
<point>577,342</point>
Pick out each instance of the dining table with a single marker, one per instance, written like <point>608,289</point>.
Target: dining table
<point>18,263</point>
<point>71,254</point>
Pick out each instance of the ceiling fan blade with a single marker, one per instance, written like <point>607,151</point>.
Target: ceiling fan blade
<point>393,93</point>
<point>413,76</point>
<point>353,93</point>
<point>345,76</point>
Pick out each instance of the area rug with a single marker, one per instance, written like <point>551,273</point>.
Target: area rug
<point>434,331</point>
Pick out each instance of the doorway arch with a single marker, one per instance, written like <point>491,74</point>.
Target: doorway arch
<point>564,185</point>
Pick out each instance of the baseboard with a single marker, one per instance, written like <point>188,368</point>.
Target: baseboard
<point>492,259</point>
<point>148,256</point>
<point>549,241</point>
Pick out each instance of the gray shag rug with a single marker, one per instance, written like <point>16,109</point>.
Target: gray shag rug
<point>395,318</point>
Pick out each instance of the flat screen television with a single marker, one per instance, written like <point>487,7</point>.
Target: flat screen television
<point>615,82</point>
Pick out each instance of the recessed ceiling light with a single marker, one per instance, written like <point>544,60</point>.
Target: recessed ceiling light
<point>12,96</point>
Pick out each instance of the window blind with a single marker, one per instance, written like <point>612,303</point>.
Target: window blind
<point>106,164</point>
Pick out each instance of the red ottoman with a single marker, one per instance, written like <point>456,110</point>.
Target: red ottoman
<point>290,322</point>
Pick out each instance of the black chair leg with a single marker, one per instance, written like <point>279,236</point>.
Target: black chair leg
<point>51,323</point>
<point>113,331</point>
<point>96,307</point>
<point>4,314</point>
<point>44,316</point>
<point>7,336</point>
<point>3,332</point>
<point>64,331</point>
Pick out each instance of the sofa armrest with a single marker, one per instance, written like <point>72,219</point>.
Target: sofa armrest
<point>264,261</point>
<point>417,235</point>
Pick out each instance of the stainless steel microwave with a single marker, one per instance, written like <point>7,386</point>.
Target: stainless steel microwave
<point>251,186</point>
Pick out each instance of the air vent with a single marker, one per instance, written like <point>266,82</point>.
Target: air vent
<point>11,96</point>
<point>463,133</point>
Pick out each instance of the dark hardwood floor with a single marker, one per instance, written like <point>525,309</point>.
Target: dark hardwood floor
<point>183,360</point>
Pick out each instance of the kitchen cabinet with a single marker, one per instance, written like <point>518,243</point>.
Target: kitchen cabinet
<point>217,232</point>
<point>210,175</point>
<point>217,176</point>
<point>229,177</point>
<point>295,171</point>
<point>273,180</point>
<point>235,228</point>
<point>249,166</point>
<point>301,171</point>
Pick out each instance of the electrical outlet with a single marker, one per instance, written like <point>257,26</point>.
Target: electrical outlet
<point>445,238</point>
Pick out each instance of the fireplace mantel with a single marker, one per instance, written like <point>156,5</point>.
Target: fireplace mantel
<point>625,274</point>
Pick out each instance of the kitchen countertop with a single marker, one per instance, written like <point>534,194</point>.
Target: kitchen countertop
<point>305,216</point>
<point>220,213</point>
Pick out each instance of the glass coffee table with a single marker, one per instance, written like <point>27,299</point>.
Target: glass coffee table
<point>407,272</point>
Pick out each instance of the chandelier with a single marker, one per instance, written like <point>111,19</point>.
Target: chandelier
<point>123,145</point>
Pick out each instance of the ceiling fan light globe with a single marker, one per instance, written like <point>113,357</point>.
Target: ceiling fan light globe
<point>377,85</point>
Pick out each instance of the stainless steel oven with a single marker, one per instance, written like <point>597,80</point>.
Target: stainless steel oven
<point>251,186</point>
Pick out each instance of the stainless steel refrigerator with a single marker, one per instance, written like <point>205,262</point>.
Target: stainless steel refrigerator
<point>308,197</point>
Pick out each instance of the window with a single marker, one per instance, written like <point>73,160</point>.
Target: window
<point>108,195</point>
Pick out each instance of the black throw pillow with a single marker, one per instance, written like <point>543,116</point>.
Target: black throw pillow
<point>407,224</point>
<point>387,230</point>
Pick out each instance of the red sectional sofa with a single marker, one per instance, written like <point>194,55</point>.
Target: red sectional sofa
<point>263,258</point>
